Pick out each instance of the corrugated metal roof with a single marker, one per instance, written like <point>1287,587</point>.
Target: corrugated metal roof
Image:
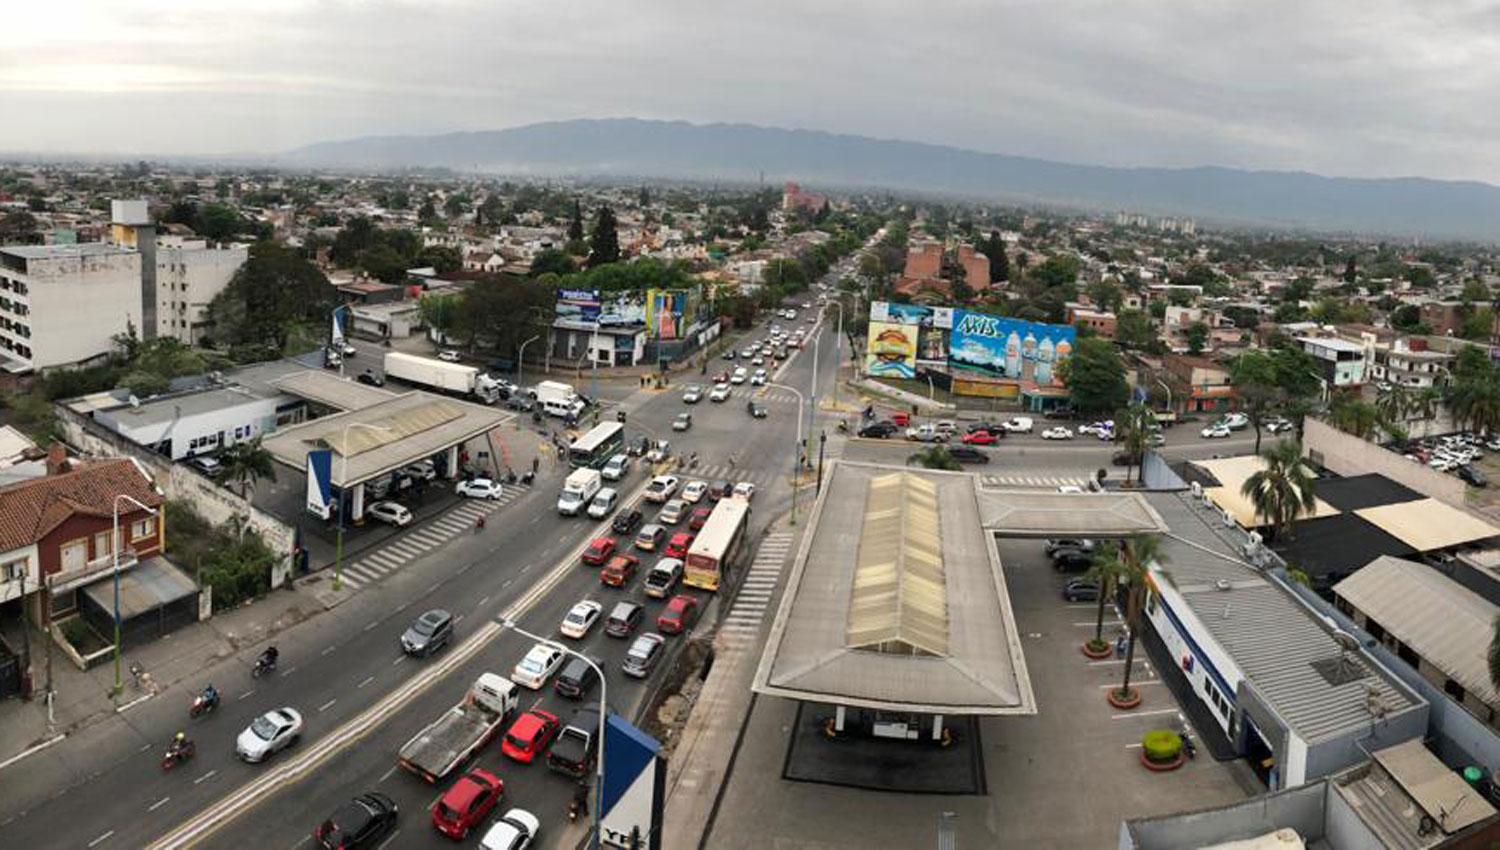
<point>1443,621</point>
<point>1272,638</point>
<point>899,600</point>
<point>329,389</point>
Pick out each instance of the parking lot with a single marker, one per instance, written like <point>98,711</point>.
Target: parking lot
<point>1063,778</point>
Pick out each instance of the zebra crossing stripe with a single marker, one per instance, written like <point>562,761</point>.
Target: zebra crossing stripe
<point>349,581</point>
<point>384,556</point>
<point>372,567</point>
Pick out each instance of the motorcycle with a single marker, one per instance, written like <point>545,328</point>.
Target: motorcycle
<point>203,705</point>
<point>177,755</point>
<point>1189,748</point>
<point>574,809</point>
<point>527,478</point>
<point>263,666</point>
<point>843,427</point>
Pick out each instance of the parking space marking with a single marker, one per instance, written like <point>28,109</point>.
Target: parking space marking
<point>1129,714</point>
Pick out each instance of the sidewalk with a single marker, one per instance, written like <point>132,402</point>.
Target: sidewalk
<point>82,697</point>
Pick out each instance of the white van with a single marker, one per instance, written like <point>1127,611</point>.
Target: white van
<point>561,408</point>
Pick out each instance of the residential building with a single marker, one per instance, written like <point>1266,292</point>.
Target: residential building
<point>62,305</point>
<point>1341,363</point>
<point>924,260</point>
<point>1409,362</point>
<point>794,198</point>
<point>188,276</point>
<point>1101,322</point>
<point>1197,384</point>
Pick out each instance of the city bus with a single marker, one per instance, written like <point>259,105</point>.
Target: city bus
<point>595,448</point>
<point>717,545</point>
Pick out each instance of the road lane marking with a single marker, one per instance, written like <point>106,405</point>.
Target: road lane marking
<point>386,843</point>
<point>327,705</point>
<point>327,650</point>
<point>372,624</point>
<point>399,659</point>
<point>289,671</point>
<point>483,600</point>
<point>1131,714</point>
<point>246,695</point>
<point>158,804</point>
<point>386,775</point>
<point>144,747</point>
<point>103,837</point>
<point>205,777</point>
<point>368,680</point>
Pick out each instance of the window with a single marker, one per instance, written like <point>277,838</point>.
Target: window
<point>101,544</point>
<point>13,571</point>
<point>143,528</point>
<point>1453,689</point>
<point>1407,654</point>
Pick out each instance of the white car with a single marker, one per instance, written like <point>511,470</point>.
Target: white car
<point>721,393</point>
<point>692,395</point>
<point>759,378</point>
<point>672,512</point>
<point>739,376</point>
<point>757,360</point>
<point>660,450</point>
<point>1057,432</point>
<point>693,491</point>
<point>661,488</point>
<point>391,513</point>
<point>1216,431</point>
<point>423,469</point>
<point>515,830</point>
<point>272,731</point>
<point>1236,421</point>
<point>1070,488</point>
<point>1018,425</point>
<point>537,667</point>
<point>580,618</point>
<point>616,467</point>
<point>478,488</point>
<point>744,490</point>
<point>448,355</point>
<point>1097,428</point>
<point>603,502</point>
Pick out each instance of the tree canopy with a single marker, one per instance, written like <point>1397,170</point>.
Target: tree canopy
<point>1095,376</point>
<point>275,289</point>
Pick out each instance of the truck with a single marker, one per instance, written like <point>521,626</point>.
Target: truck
<point>463,730</point>
<point>578,488</point>
<point>572,752</point>
<point>454,378</point>
<point>558,399</point>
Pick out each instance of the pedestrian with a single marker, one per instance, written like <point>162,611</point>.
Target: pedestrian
<point>535,465</point>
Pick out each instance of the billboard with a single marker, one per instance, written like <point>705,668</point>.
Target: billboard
<point>911,314</point>
<point>608,309</point>
<point>669,313</point>
<point>997,347</point>
<point>633,796</point>
<point>891,350</point>
<point>320,483</point>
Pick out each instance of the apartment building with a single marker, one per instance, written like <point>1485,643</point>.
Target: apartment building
<point>1410,363</point>
<point>188,276</point>
<point>1341,363</point>
<point>61,305</point>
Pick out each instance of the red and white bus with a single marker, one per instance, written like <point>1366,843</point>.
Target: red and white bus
<point>717,544</point>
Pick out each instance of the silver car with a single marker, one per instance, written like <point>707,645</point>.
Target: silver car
<point>275,730</point>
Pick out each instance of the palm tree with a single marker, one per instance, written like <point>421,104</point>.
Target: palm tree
<point>934,457</point>
<point>1394,403</point>
<point>1283,490</point>
<point>1130,561</point>
<point>1107,573</point>
<point>247,462</point>
<point>1424,406</point>
<point>1133,425</point>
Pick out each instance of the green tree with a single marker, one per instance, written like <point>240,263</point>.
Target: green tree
<point>275,289</point>
<point>1131,563</point>
<point>491,213</point>
<point>1106,293</point>
<point>1197,337</point>
<point>994,249</point>
<point>1134,426</point>
<point>1351,274</point>
<point>1095,377</point>
<point>1393,402</point>
<point>455,205</point>
<point>1133,329</point>
<point>1479,325</point>
<point>384,264</point>
<point>441,258</point>
<point>575,225</point>
<point>1282,490</point>
<point>1353,415</point>
<point>19,227</point>
<point>427,213</point>
<point>553,261</point>
<point>1057,270</point>
<point>246,463</point>
<point>218,222</point>
<point>440,312</point>
<point>934,457</point>
<point>1106,571</point>
<point>1253,375</point>
<point>604,243</point>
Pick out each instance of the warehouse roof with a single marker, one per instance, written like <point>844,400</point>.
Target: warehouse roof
<point>1446,623</point>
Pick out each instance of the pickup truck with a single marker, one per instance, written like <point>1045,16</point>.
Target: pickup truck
<point>463,729</point>
<point>572,751</point>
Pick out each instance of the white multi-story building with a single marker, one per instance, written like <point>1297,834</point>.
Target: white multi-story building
<point>188,276</point>
<point>61,305</point>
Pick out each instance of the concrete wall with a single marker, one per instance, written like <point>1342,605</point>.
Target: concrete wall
<point>77,304</point>
<point>1299,808</point>
<point>1342,824</point>
<point>1346,454</point>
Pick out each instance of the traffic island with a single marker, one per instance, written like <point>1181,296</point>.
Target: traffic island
<point>1123,699</point>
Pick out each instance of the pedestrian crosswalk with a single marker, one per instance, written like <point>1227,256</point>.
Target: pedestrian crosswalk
<point>753,602</point>
<point>1047,481</point>
<point>411,545</point>
<point>728,472</point>
<point>777,397</point>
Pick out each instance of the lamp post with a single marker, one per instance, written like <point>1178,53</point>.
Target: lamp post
<point>338,549</point>
<point>521,356</point>
<point>796,459</point>
<point>838,350</point>
<point>114,549</point>
<point>603,713</point>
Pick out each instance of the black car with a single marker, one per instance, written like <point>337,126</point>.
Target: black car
<point>1472,476</point>
<point>575,679</point>
<point>359,823</point>
<point>1072,560</point>
<point>1081,590</point>
<point>968,454</point>
<point>757,411</point>
<point>626,521</point>
<point>878,430</point>
<point>369,377</point>
<point>428,633</point>
<point>720,490</point>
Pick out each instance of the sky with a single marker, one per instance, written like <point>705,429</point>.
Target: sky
<point>1371,88</point>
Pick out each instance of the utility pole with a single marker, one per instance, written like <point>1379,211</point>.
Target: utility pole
<point>25,634</point>
<point>822,442</point>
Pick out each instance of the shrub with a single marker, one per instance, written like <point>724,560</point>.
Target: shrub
<point>237,566</point>
<point>1161,745</point>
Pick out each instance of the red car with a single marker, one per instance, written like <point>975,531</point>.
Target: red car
<point>465,805</point>
<point>619,571</point>
<point>678,615</point>
<point>530,735</point>
<point>699,518</point>
<point>677,547</point>
<point>599,551</point>
<point>980,438</point>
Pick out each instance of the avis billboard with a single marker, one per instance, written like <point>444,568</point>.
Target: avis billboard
<point>998,347</point>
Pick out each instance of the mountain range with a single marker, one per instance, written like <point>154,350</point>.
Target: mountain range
<point>628,147</point>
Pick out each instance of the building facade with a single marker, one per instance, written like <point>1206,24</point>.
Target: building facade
<point>188,276</point>
<point>62,305</point>
<point>1341,363</point>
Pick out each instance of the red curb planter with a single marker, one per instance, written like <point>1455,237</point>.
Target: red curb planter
<point>1104,652</point>
<point>1127,702</point>
<point>1161,766</point>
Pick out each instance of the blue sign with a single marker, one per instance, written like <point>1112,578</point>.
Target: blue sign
<point>1009,348</point>
<point>320,483</point>
<point>634,791</point>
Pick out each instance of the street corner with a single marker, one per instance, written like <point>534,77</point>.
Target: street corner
<point>320,585</point>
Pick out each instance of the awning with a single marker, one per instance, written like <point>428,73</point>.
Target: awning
<point>153,584</point>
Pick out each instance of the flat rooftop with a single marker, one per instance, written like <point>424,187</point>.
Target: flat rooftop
<point>897,601</point>
<point>61,252</point>
<point>163,409</point>
<point>328,389</point>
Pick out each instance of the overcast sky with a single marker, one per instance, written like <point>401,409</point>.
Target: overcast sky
<point>1358,87</point>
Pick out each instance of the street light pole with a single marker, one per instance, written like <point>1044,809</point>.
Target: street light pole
<point>603,713</point>
<point>338,549</point>
<point>796,458</point>
<point>114,549</point>
<point>521,356</point>
<point>838,351</point>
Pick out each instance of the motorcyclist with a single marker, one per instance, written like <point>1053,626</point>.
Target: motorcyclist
<point>210,695</point>
<point>580,803</point>
<point>268,658</point>
<point>180,745</point>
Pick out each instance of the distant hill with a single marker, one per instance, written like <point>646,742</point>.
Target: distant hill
<point>676,149</point>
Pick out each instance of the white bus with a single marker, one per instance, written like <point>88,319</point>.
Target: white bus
<point>595,448</point>
<point>717,544</point>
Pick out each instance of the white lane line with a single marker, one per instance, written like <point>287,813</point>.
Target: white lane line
<point>386,843</point>
<point>434,586</point>
<point>327,705</point>
<point>368,680</point>
<point>1130,714</point>
<point>101,838</point>
<point>328,650</point>
<point>144,747</point>
<point>372,624</point>
<point>399,659</point>
<point>246,695</point>
<point>289,671</point>
<point>534,520</point>
<point>158,804</point>
<point>483,600</point>
<point>458,619</point>
<point>205,777</point>
<point>387,774</point>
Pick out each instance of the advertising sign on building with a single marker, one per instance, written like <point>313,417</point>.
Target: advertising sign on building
<point>997,347</point>
<point>891,350</point>
<point>912,314</point>
<point>634,793</point>
<point>608,309</point>
<point>320,483</point>
<point>670,312</point>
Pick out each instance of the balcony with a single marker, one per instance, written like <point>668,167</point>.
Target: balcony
<point>92,571</point>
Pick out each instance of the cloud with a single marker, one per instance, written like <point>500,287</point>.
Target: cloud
<point>1378,88</point>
